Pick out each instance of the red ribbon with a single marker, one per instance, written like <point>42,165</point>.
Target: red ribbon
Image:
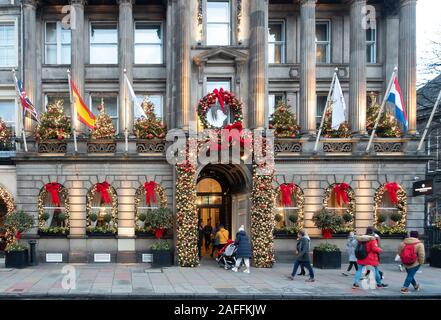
<point>341,193</point>
<point>103,189</point>
<point>53,188</point>
<point>392,188</point>
<point>159,232</point>
<point>327,233</point>
<point>235,134</point>
<point>220,97</point>
<point>286,190</point>
<point>18,235</point>
<point>150,191</point>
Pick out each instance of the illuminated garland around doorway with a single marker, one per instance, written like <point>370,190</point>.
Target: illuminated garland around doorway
<point>44,193</point>
<point>401,205</point>
<point>186,216</point>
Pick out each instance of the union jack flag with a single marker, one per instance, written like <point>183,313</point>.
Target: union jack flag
<point>28,107</point>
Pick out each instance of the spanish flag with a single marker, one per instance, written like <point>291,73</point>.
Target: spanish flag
<point>83,113</point>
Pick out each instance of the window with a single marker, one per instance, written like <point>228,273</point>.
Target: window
<point>218,23</point>
<point>285,213</point>
<point>104,43</point>
<point>433,146</point>
<point>321,104</point>
<point>148,43</point>
<point>8,113</point>
<point>8,45</point>
<point>273,100</point>
<point>51,98</point>
<point>157,102</point>
<point>323,42</point>
<point>276,42</point>
<point>371,45</point>
<point>433,213</point>
<point>110,106</point>
<point>57,44</point>
<point>217,84</point>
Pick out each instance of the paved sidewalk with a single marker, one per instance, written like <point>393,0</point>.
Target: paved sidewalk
<point>138,281</point>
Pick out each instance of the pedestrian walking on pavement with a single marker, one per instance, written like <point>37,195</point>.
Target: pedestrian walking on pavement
<point>302,252</point>
<point>243,252</point>
<point>413,256</point>
<point>351,244</point>
<point>366,252</point>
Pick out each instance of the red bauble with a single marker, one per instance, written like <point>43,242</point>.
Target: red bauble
<point>150,136</point>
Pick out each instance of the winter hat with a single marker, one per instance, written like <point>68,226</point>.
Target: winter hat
<point>241,228</point>
<point>414,234</point>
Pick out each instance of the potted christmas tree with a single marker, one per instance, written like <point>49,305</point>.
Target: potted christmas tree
<point>102,138</point>
<point>5,137</point>
<point>149,130</point>
<point>53,129</point>
<point>160,220</point>
<point>16,254</point>
<point>286,129</point>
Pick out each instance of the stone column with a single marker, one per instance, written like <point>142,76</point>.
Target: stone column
<point>77,46</point>
<point>357,68</point>
<point>125,60</point>
<point>407,60</point>
<point>258,90</point>
<point>30,54</point>
<point>308,99</point>
<point>182,64</point>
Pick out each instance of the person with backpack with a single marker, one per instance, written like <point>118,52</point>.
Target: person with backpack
<point>412,256</point>
<point>366,252</point>
<point>351,245</point>
<point>303,256</point>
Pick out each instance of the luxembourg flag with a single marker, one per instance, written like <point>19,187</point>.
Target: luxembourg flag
<point>396,99</point>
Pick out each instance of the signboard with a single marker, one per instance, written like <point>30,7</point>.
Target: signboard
<point>101,257</point>
<point>422,188</point>
<point>147,257</point>
<point>54,257</point>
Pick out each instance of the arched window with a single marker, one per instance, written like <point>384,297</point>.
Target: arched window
<point>148,197</point>
<point>390,209</point>
<point>53,210</point>
<point>289,205</point>
<point>340,198</point>
<point>7,206</point>
<point>102,210</point>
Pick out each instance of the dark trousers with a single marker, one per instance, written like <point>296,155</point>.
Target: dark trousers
<point>207,242</point>
<point>305,264</point>
<point>353,263</point>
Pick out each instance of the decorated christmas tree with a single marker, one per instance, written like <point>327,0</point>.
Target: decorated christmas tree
<point>149,127</point>
<point>343,131</point>
<point>103,125</point>
<point>388,126</point>
<point>284,122</point>
<point>53,123</point>
<point>5,134</point>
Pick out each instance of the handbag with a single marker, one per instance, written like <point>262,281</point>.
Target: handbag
<point>397,258</point>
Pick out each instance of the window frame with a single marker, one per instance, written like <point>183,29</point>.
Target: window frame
<point>96,94</point>
<point>14,22</point>
<point>275,94</point>
<point>215,79</point>
<point>230,22</point>
<point>58,43</point>
<point>150,94</point>
<point>161,24</point>
<point>91,24</point>
<point>373,45</point>
<point>328,43</point>
<point>16,126</point>
<point>281,42</point>
<point>317,116</point>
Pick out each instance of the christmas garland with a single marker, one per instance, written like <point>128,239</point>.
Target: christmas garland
<point>141,192</point>
<point>113,200</point>
<point>401,204</point>
<point>299,199</point>
<point>7,198</point>
<point>42,196</point>
<point>186,216</point>
<point>349,200</point>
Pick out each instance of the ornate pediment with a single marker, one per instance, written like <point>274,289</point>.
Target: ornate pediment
<point>222,53</point>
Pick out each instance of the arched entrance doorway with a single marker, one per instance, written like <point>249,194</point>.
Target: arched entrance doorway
<point>223,193</point>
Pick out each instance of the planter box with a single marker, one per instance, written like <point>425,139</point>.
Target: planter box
<point>52,235</point>
<point>327,260</point>
<point>101,234</point>
<point>287,145</point>
<point>16,259</point>
<point>144,234</point>
<point>340,235</point>
<point>52,146</point>
<point>392,235</point>
<point>101,146</point>
<point>435,258</point>
<point>388,145</point>
<point>337,145</point>
<point>150,146</point>
<point>162,258</point>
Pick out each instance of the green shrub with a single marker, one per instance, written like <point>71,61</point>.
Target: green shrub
<point>161,245</point>
<point>45,216</point>
<point>142,217</point>
<point>327,247</point>
<point>93,217</point>
<point>161,218</point>
<point>108,218</point>
<point>396,217</point>
<point>278,217</point>
<point>347,217</point>
<point>325,219</point>
<point>61,217</point>
<point>293,217</point>
<point>15,246</point>
<point>381,217</point>
<point>18,221</point>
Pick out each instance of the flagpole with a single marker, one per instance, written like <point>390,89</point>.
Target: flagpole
<point>435,106</point>
<point>25,144</point>
<point>324,112</point>
<point>73,111</point>
<point>126,132</point>
<point>389,87</point>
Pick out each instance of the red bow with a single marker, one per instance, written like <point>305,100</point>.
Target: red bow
<point>235,134</point>
<point>286,190</point>
<point>159,232</point>
<point>220,97</point>
<point>150,191</point>
<point>103,189</point>
<point>327,233</point>
<point>53,188</point>
<point>392,188</point>
<point>341,193</point>
<point>18,235</point>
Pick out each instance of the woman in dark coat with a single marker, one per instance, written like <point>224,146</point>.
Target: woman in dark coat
<point>243,250</point>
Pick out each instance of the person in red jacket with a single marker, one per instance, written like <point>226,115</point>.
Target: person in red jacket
<point>371,259</point>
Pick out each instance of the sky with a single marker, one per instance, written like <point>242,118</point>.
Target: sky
<point>428,30</point>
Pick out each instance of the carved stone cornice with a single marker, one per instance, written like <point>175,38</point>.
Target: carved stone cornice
<point>78,2</point>
<point>30,3</point>
<point>125,2</point>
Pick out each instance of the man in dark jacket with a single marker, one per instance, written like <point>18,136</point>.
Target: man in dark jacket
<point>303,256</point>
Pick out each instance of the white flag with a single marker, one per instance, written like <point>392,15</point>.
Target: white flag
<point>339,105</point>
<point>133,96</point>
